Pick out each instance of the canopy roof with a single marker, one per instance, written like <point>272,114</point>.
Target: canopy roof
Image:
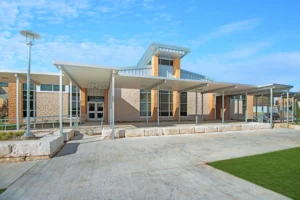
<point>36,78</point>
<point>90,76</point>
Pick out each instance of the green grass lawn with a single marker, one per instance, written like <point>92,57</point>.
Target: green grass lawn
<point>278,171</point>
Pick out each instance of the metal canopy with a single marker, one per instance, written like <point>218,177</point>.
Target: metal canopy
<point>87,76</point>
<point>93,76</point>
<point>36,78</point>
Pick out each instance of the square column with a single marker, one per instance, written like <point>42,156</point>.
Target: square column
<point>287,108</point>
<point>60,103</point>
<point>293,108</point>
<point>271,109</point>
<point>71,109</point>
<point>196,109</point>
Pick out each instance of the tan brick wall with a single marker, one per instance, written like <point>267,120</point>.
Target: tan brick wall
<point>250,100</point>
<point>12,101</point>
<point>226,107</point>
<point>83,103</point>
<point>211,106</point>
<point>176,96</point>
<point>154,92</point>
<point>106,105</point>
<point>127,105</point>
<point>47,104</point>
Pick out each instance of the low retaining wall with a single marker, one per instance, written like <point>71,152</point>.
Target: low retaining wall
<point>26,150</point>
<point>67,133</point>
<point>160,131</point>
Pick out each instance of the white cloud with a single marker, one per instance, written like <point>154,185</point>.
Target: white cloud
<point>227,29</point>
<point>280,67</point>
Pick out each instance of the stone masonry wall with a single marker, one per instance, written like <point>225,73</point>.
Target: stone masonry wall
<point>47,104</point>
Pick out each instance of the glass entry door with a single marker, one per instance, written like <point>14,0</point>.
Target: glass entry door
<point>95,111</point>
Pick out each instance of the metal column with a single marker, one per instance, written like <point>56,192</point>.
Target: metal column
<point>113,104</point>
<point>271,105</point>
<point>202,118</point>
<point>28,134</point>
<point>223,114</point>
<point>281,109</point>
<point>179,108</point>
<point>17,102</point>
<point>238,107</point>
<point>77,107</point>
<point>34,104</point>
<point>196,111</point>
<point>246,110</point>
<point>147,105</point>
<point>60,103</point>
<point>293,108</point>
<point>71,97</point>
<point>287,108</point>
<point>262,104</point>
<point>157,105</point>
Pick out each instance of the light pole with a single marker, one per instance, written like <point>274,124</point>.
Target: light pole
<point>30,37</point>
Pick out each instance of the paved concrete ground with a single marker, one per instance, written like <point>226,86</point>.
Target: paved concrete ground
<point>165,167</point>
<point>10,172</point>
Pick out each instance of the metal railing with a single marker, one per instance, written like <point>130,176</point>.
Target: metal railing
<point>41,122</point>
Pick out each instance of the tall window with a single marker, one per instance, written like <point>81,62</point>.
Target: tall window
<point>143,103</point>
<point>74,101</point>
<point>25,100</point>
<point>183,104</point>
<point>165,103</point>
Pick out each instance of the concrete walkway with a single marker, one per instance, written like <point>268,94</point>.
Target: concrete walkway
<point>165,167</point>
<point>10,172</point>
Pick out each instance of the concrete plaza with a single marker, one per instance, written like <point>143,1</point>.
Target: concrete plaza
<point>165,167</point>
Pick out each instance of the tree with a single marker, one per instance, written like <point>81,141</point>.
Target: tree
<point>3,110</point>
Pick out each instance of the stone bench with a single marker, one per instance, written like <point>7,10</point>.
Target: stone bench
<point>192,129</point>
<point>26,150</point>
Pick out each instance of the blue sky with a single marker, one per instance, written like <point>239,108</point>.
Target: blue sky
<point>254,42</point>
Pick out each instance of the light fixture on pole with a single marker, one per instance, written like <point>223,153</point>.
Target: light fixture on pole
<point>30,37</point>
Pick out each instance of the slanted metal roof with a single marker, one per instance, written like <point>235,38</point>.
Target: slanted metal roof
<point>36,78</point>
<point>164,51</point>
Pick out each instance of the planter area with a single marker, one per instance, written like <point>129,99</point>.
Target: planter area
<point>27,150</point>
<point>175,130</point>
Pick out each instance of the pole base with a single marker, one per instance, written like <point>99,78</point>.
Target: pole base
<point>27,136</point>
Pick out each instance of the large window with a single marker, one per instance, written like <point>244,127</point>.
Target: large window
<point>3,84</point>
<point>31,102</point>
<point>74,101</point>
<point>183,104</point>
<point>165,62</point>
<point>165,103</point>
<point>51,87</point>
<point>143,103</point>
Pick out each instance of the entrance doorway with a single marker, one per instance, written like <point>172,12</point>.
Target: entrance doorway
<point>95,111</point>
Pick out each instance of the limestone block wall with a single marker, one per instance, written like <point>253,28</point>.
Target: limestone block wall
<point>127,105</point>
<point>47,104</point>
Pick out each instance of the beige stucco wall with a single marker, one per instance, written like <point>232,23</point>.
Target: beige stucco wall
<point>47,104</point>
<point>191,107</point>
<point>127,105</point>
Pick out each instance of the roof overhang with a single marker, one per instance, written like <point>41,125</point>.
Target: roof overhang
<point>35,78</point>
